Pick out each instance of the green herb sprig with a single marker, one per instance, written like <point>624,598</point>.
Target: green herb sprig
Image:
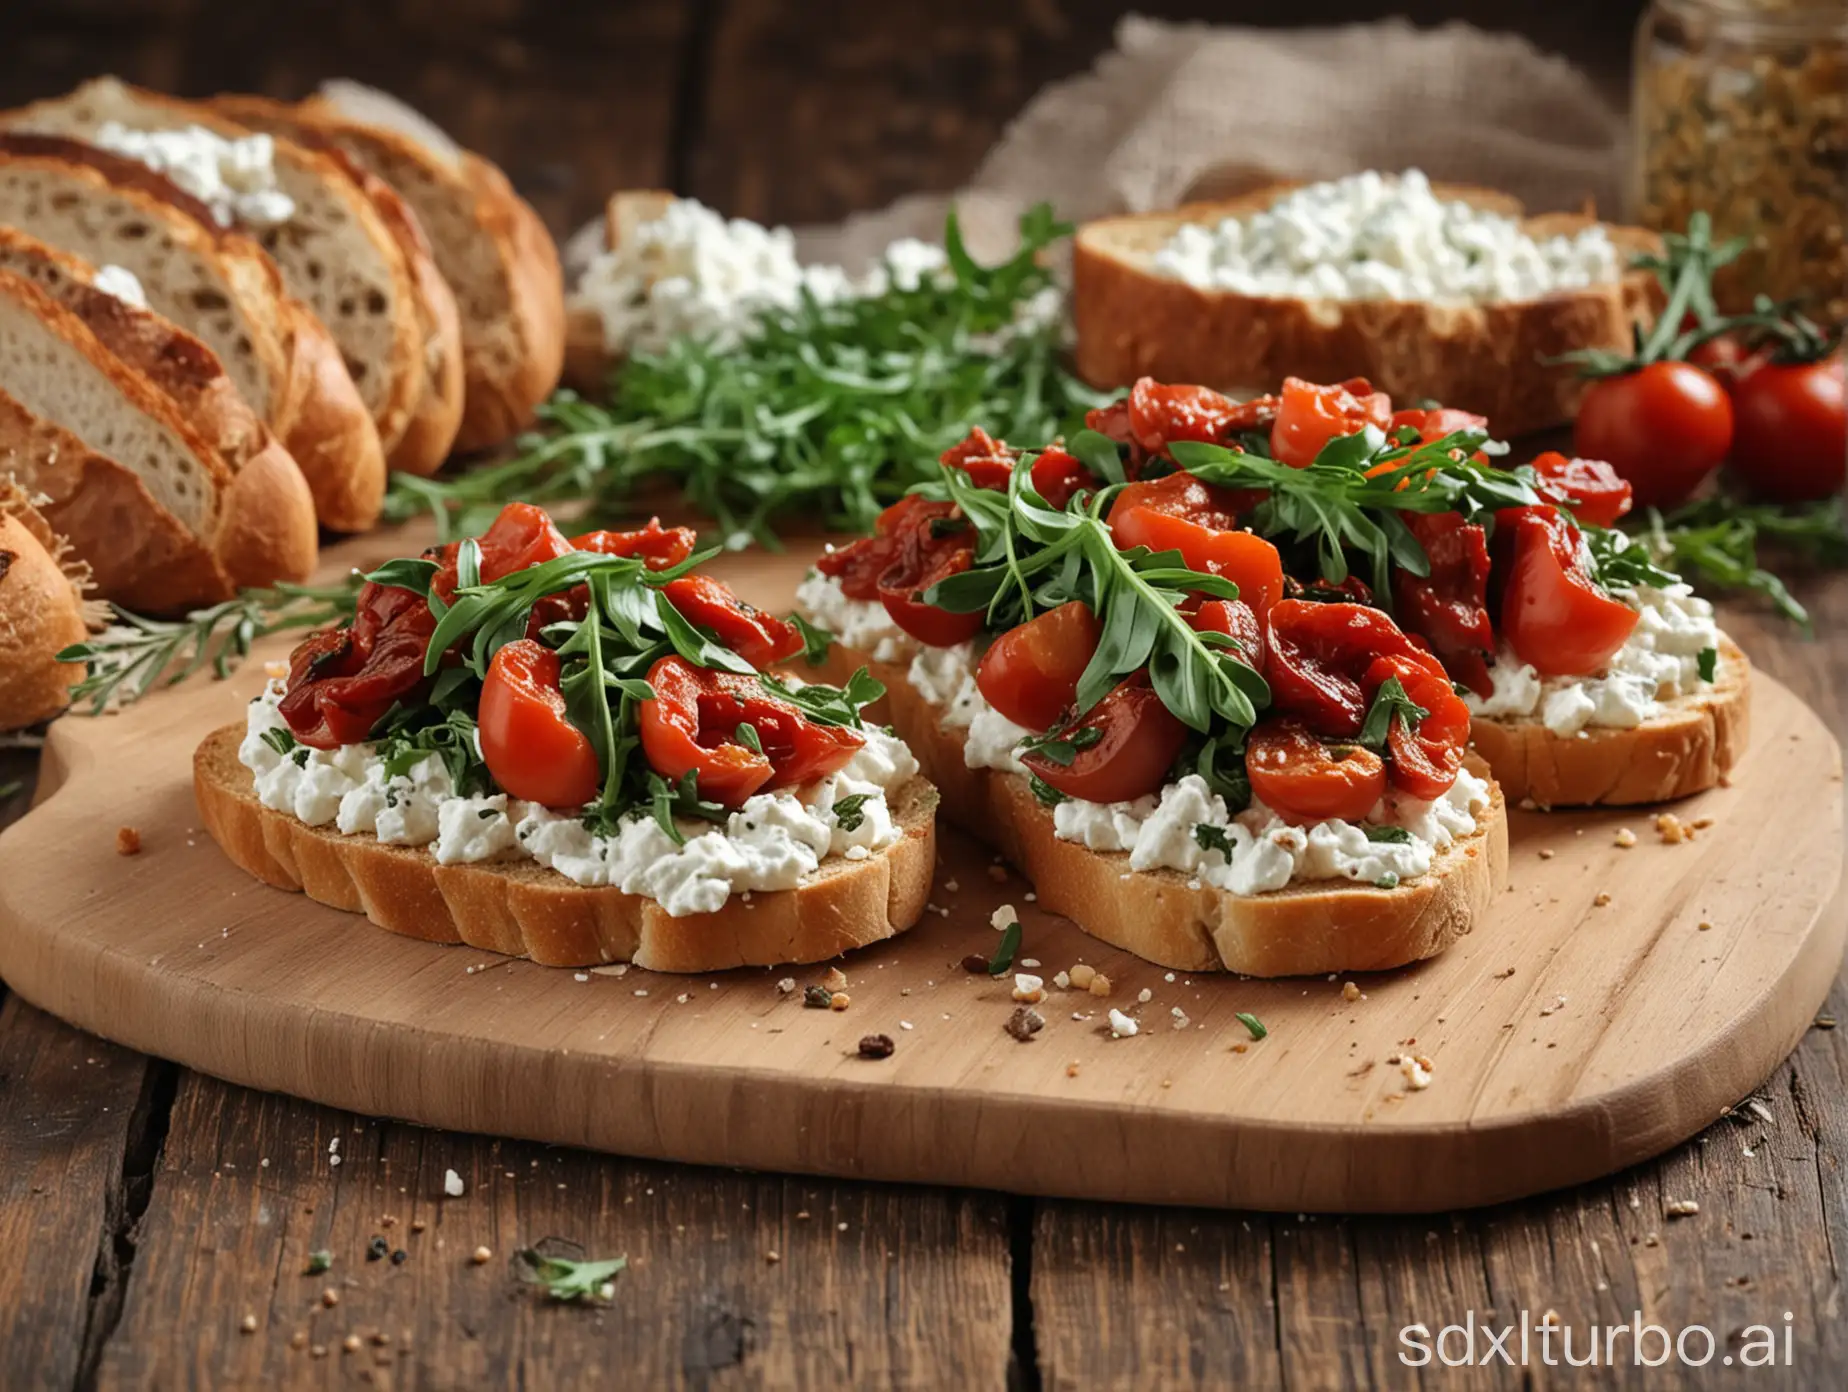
<point>824,410</point>
<point>136,654</point>
<point>1713,542</point>
<point>563,1279</point>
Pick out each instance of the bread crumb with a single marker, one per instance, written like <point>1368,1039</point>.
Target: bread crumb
<point>1669,827</point>
<point>1081,976</point>
<point>1350,992</point>
<point>330,1297</point>
<point>1100,985</point>
<point>840,1000</point>
<point>1062,980</point>
<point>772,1258</point>
<point>1417,1071</point>
<point>1071,1069</point>
<point>481,1256</point>
<point>1028,988</point>
<point>1625,838</point>
<point>1600,899</point>
<point>248,1324</point>
<point>350,1343</point>
<point>128,841</point>
<point>835,980</point>
<point>1558,1004</point>
<point>1546,853</point>
<point>1704,926</point>
<point>1681,1208</point>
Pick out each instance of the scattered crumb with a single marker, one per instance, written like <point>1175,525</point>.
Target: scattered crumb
<point>840,1000</point>
<point>975,964</point>
<point>1681,1208</point>
<point>619,969</point>
<point>1546,853</point>
<point>481,1256</point>
<point>1417,1071</point>
<point>330,1297</point>
<point>877,1046</point>
<point>1028,988</point>
<point>998,873</point>
<point>452,1184</point>
<point>1071,1069</point>
<point>1029,962</point>
<point>816,997</point>
<point>951,886</point>
<point>1600,899</point>
<point>1558,1004</point>
<point>772,1258</point>
<point>1100,985</point>
<point>835,980</point>
<point>128,841</point>
<point>1144,996</point>
<point>1625,838</point>
<point>1081,976</point>
<point>786,986</point>
<point>350,1343</point>
<point>1350,992</point>
<point>1180,1018</point>
<point>1670,828</point>
<point>1062,980</point>
<point>248,1324</point>
<point>1003,918</point>
<point>1024,1023</point>
<point>1121,1026</point>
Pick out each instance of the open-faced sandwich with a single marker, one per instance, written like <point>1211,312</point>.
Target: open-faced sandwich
<point>1113,682</point>
<point>573,750</point>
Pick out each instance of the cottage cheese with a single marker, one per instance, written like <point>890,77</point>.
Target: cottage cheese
<point>774,841</point>
<point>120,282</point>
<point>1384,237</point>
<point>1659,662</point>
<point>862,624</point>
<point>235,178</point>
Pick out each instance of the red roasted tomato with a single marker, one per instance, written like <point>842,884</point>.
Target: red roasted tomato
<point>1159,415</point>
<point>988,462</point>
<point>530,747</point>
<point>935,544</point>
<point>1449,607</point>
<point>1058,477</point>
<point>1309,416</point>
<point>1138,741</point>
<point>660,548</point>
<point>760,639</point>
<point>1664,427</point>
<point>1303,778</point>
<point>1318,656</point>
<point>1238,621</point>
<point>859,564</point>
<point>1180,513</point>
<point>1553,613</point>
<point>692,723</point>
<point>1590,488</point>
<point>1424,760</point>
<point>1030,673</point>
<point>343,680</point>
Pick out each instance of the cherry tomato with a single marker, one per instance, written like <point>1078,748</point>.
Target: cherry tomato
<point>1726,357</point>
<point>522,536</point>
<point>936,543</point>
<point>342,681</point>
<point>530,746</point>
<point>1553,613</point>
<point>1590,488</point>
<point>1030,673</point>
<point>1138,741</point>
<point>1058,477</point>
<point>692,724</point>
<point>988,462</point>
<point>1309,416</point>
<point>1239,622</point>
<point>660,548</point>
<point>1180,513</point>
<point>1304,779</point>
<point>1664,427</point>
<point>1317,657</point>
<point>859,564</point>
<point>1449,607</point>
<point>760,639</point>
<point>1424,761</point>
<point>1437,421</point>
<point>1790,431</point>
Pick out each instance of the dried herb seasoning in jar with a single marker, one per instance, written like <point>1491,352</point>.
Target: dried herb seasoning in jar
<point>1741,108</point>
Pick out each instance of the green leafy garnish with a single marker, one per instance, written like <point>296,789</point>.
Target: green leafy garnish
<point>1389,835</point>
<point>830,705</point>
<point>826,411</point>
<point>849,811</point>
<point>318,1261</point>
<point>665,802</point>
<point>409,736</point>
<point>816,640</point>
<point>1713,542</point>
<point>1389,703</point>
<point>135,654</point>
<point>1061,746</point>
<point>1210,836</point>
<point>1004,954</point>
<point>1252,1023</point>
<point>279,739</point>
<point>1044,792</point>
<point>1708,662</point>
<point>746,734</point>
<point>564,1279</point>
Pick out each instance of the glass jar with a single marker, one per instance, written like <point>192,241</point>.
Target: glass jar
<point>1741,107</point>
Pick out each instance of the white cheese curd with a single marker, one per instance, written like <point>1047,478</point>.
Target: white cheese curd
<point>861,624</point>
<point>773,842</point>
<point>1379,236</point>
<point>1658,662</point>
<point>235,178</point>
<point>120,282</point>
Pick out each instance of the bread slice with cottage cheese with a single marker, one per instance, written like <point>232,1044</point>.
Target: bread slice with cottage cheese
<point>525,909</point>
<point>1174,919</point>
<point>1133,320</point>
<point>1688,746</point>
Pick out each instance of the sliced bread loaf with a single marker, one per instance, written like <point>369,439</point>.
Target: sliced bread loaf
<point>42,612</point>
<point>333,249</point>
<point>489,244</point>
<point>267,532</point>
<point>219,286</point>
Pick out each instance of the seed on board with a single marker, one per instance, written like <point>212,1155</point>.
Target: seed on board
<point>876,1046</point>
<point>481,1255</point>
<point>840,1000</point>
<point>330,1297</point>
<point>1681,1208</point>
<point>248,1324</point>
<point>975,964</point>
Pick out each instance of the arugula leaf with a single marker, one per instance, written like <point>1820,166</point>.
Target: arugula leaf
<point>1061,746</point>
<point>281,740</point>
<point>746,734</point>
<point>829,705</point>
<point>1713,542</point>
<point>1210,836</point>
<point>564,1279</point>
<point>1389,703</point>
<point>410,735</point>
<point>667,801</point>
<point>413,573</point>
<point>816,640</point>
<point>1389,835</point>
<point>848,813</point>
<point>1708,662</point>
<point>1047,795</point>
<point>1004,954</point>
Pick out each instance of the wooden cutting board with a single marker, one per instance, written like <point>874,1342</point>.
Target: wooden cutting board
<point>1569,1036</point>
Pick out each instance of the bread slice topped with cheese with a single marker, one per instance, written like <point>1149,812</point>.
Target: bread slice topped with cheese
<point>1106,682</point>
<point>336,253</point>
<point>268,531</point>
<point>217,285</point>
<point>147,500</point>
<point>1435,291</point>
<point>575,750</point>
<point>488,242</point>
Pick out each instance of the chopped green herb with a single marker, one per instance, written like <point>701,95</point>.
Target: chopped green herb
<point>815,640</point>
<point>829,705</point>
<point>279,738</point>
<point>1048,795</point>
<point>1210,836</point>
<point>1708,662</point>
<point>746,734</point>
<point>1390,880</point>
<point>1004,954</point>
<point>564,1279</point>
<point>1252,1023</point>
<point>318,1261</point>
<point>487,814</point>
<point>1389,835</point>
<point>1061,746</point>
<point>849,811</point>
<point>1389,702</point>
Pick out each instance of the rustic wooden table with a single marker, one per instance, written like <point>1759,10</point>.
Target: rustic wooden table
<point>144,1210</point>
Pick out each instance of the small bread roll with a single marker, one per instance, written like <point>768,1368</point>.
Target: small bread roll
<point>41,613</point>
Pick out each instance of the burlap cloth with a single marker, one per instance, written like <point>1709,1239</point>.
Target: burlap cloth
<point>1185,111</point>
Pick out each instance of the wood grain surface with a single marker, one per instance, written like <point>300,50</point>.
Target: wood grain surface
<point>1082,1295</point>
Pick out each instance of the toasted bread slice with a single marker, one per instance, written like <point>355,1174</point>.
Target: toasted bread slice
<point>217,285</point>
<point>431,433</point>
<point>524,909</point>
<point>587,360</point>
<point>335,253</point>
<point>1168,918</point>
<point>1134,322</point>
<point>489,245</point>
<point>1691,746</point>
<point>267,531</point>
<point>42,612</point>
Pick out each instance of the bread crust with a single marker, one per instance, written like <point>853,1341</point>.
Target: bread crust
<point>588,363</point>
<point>1690,747</point>
<point>267,527</point>
<point>315,409</point>
<point>523,909</point>
<point>1485,358</point>
<point>1167,918</point>
<point>431,430</point>
<point>41,614</point>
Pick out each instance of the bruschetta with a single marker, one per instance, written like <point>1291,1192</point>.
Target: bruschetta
<point>575,750</point>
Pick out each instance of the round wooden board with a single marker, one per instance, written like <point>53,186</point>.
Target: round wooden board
<point>1568,1038</point>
